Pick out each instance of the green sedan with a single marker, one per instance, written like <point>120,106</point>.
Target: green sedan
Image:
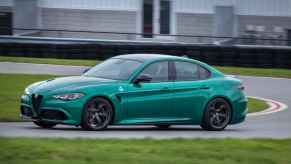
<point>138,89</point>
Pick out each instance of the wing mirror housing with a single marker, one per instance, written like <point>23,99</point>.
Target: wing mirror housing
<point>142,79</point>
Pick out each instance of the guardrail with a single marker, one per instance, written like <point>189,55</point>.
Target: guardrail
<point>263,38</point>
<point>224,55</point>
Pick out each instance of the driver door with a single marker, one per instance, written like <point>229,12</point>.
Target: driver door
<point>151,101</point>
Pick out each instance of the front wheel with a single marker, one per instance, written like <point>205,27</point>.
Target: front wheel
<point>44,124</point>
<point>217,115</point>
<point>97,115</point>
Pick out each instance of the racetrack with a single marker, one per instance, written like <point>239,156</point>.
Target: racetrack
<point>276,125</point>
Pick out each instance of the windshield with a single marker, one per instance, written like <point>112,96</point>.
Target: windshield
<point>117,69</point>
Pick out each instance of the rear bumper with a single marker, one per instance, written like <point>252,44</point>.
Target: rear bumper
<point>239,110</point>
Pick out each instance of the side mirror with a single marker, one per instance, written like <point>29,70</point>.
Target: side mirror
<point>142,79</point>
<point>86,70</point>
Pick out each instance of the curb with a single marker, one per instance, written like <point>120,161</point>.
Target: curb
<point>257,76</point>
<point>274,106</point>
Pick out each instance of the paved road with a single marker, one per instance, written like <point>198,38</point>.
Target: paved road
<point>27,68</point>
<point>277,125</point>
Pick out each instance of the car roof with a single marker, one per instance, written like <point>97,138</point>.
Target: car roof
<point>153,57</point>
<point>147,57</point>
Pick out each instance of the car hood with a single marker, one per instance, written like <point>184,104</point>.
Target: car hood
<point>66,83</point>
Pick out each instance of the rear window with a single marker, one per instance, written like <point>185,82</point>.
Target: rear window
<point>203,73</point>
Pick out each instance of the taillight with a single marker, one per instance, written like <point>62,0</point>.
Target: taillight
<point>241,87</point>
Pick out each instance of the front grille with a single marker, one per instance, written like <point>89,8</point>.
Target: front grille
<point>36,101</point>
<point>53,115</point>
<point>26,111</point>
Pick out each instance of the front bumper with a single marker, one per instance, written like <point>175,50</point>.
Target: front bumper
<point>51,110</point>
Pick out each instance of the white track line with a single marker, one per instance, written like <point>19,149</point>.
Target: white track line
<point>274,106</point>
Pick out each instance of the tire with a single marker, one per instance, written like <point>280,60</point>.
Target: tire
<point>44,124</point>
<point>163,126</point>
<point>97,114</point>
<point>217,115</point>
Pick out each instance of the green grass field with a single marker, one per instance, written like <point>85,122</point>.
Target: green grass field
<point>49,61</point>
<point>267,72</point>
<point>256,105</point>
<point>12,87</point>
<point>286,73</point>
<point>174,151</point>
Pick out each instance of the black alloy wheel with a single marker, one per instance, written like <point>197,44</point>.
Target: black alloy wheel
<point>97,115</point>
<point>217,115</point>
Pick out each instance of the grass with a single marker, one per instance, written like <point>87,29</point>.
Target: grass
<point>268,72</point>
<point>144,151</point>
<point>49,61</point>
<point>12,87</point>
<point>286,73</point>
<point>256,105</point>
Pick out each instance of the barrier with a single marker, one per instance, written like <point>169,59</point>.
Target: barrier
<point>221,55</point>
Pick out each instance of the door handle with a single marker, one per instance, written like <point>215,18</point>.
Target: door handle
<point>204,87</point>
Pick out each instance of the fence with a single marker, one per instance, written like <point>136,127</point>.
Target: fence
<point>247,39</point>
<point>224,55</point>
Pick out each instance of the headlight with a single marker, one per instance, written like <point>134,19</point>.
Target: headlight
<point>69,96</point>
<point>26,91</point>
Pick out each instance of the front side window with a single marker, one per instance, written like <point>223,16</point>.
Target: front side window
<point>157,71</point>
<point>117,69</point>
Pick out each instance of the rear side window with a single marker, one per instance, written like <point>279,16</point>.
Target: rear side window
<point>186,71</point>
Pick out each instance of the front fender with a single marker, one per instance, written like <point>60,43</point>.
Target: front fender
<point>112,93</point>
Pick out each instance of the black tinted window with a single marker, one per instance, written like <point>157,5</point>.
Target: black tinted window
<point>157,71</point>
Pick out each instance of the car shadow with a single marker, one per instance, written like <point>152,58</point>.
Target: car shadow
<point>133,128</point>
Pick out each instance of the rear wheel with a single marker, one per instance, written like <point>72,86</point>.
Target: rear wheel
<point>44,124</point>
<point>98,113</point>
<point>162,126</point>
<point>217,115</point>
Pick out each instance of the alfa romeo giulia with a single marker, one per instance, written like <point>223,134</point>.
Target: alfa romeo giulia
<point>138,89</point>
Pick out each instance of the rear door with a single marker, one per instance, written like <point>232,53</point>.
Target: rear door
<point>190,90</point>
<point>150,101</point>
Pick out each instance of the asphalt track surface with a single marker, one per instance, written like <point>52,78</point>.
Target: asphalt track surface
<point>275,125</point>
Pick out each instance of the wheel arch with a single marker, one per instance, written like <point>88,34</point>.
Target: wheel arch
<point>227,99</point>
<point>112,105</point>
<point>103,97</point>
